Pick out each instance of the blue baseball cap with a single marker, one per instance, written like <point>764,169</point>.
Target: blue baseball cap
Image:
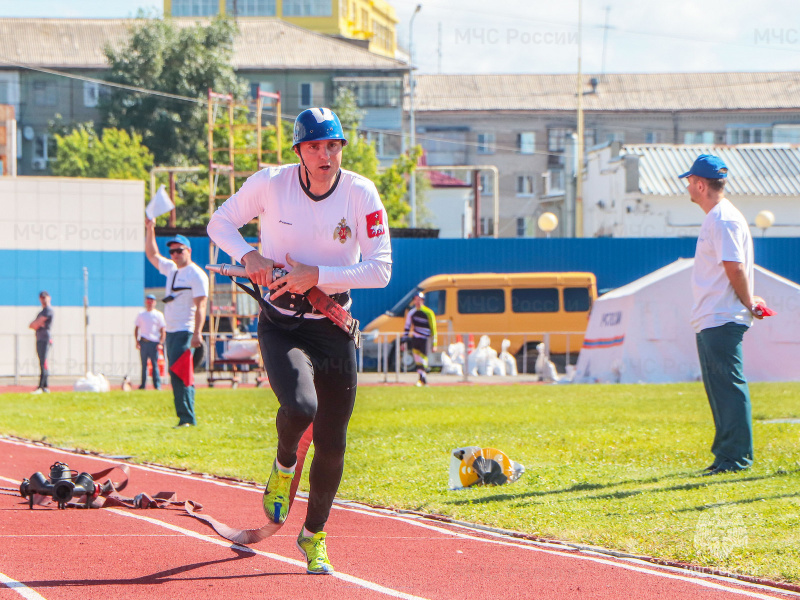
<point>180,239</point>
<point>150,297</point>
<point>708,166</point>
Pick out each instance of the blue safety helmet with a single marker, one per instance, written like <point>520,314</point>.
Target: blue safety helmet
<point>317,124</point>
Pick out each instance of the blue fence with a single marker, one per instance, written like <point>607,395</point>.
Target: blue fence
<point>615,261</point>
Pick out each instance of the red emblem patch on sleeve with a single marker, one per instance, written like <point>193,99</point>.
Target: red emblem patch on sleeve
<point>375,225</point>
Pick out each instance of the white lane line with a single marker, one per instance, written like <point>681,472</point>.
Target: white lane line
<point>641,566</point>
<point>638,565</point>
<point>277,557</point>
<point>22,589</point>
<point>105,536</point>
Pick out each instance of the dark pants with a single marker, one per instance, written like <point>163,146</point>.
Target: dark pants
<point>419,350</point>
<point>312,370</point>
<point>720,353</point>
<point>149,351</point>
<point>42,349</point>
<point>177,343</point>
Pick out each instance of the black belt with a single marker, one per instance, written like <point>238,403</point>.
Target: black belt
<point>318,303</point>
<point>300,303</point>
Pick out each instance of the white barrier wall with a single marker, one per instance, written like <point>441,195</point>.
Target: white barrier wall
<point>51,229</point>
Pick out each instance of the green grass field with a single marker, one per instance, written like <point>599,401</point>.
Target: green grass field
<point>608,465</point>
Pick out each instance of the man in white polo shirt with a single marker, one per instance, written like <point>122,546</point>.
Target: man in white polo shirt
<point>184,312</point>
<point>724,307</point>
<point>150,332</point>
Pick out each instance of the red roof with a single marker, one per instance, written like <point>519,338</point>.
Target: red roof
<point>440,179</point>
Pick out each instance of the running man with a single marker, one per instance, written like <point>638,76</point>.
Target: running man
<point>420,327</point>
<point>328,228</point>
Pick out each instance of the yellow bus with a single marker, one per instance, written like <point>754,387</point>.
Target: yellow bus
<point>522,307</point>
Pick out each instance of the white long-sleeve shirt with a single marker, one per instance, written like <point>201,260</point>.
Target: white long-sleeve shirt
<point>332,233</point>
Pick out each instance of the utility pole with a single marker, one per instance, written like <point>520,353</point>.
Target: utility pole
<point>412,184</point>
<point>579,169</point>
<point>605,39</point>
<point>440,48</point>
<point>86,319</point>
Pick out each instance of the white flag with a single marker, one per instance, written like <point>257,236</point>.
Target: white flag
<point>159,204</point>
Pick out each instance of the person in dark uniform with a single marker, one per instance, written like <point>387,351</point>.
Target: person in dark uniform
<point>329,229</point>
<point>419,330</point>
<point>42,325</point>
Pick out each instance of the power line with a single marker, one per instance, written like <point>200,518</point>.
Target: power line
<point>461,143</point>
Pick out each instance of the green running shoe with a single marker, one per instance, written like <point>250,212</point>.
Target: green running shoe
<point>313,548</point>
<point>276,496</point>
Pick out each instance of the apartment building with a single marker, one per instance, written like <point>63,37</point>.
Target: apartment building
<point>49,67</point>
<point>371,24</point>
<point>526,124</point>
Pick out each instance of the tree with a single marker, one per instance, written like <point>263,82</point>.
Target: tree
<point>186,61</point>
<point>345,105</point>
<point>114,154</point>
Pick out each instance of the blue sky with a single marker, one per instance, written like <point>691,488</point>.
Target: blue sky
<point>538,36</point>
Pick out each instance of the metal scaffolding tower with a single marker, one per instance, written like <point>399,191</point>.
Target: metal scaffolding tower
<point>231,150</point>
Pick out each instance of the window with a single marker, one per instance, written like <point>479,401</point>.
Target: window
<point>383,36</point>
<point>387,145</point>
<point>487,226</point>
<point>526,142</point>
<point>484,184</point>
<point>91,93</point>
<point>750,134</point>
<point>312,94</point>
<point>698,137</point>
<point>653,137</point>
<point>472,302</point>
<point>521,229</point>
<point>375,93</point>
<point>195,8</point>
<point>45,93</point>
<point>307,8</point>
<point>786,134</point>
<point>556,180</point>
<point>526,185</point>
<point>265,86</point>
<point>557,139</point>
<point>44,147</point>
<point>577,299</point>
<point>615,136</point>
<point>485,143</point>
<point>9,90</point>
<point>435,300</point>
<point>589,137</point>
<point>530,300</point>
<point>251,8</point>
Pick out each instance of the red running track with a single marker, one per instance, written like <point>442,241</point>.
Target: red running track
<point>120,553</point>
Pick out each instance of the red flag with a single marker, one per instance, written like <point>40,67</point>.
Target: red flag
<point>375,226</point>
<point>184,369</point>
<point>762,310</point>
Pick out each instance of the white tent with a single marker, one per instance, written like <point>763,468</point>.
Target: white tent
<point>640,333</point>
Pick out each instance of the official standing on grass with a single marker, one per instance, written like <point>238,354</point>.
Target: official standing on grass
<point>723,309</point>
<point>150,333</point>
<point>419,330</point>
<point>184,312</point>
<point>317,221</point>
<point>42,325</point>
